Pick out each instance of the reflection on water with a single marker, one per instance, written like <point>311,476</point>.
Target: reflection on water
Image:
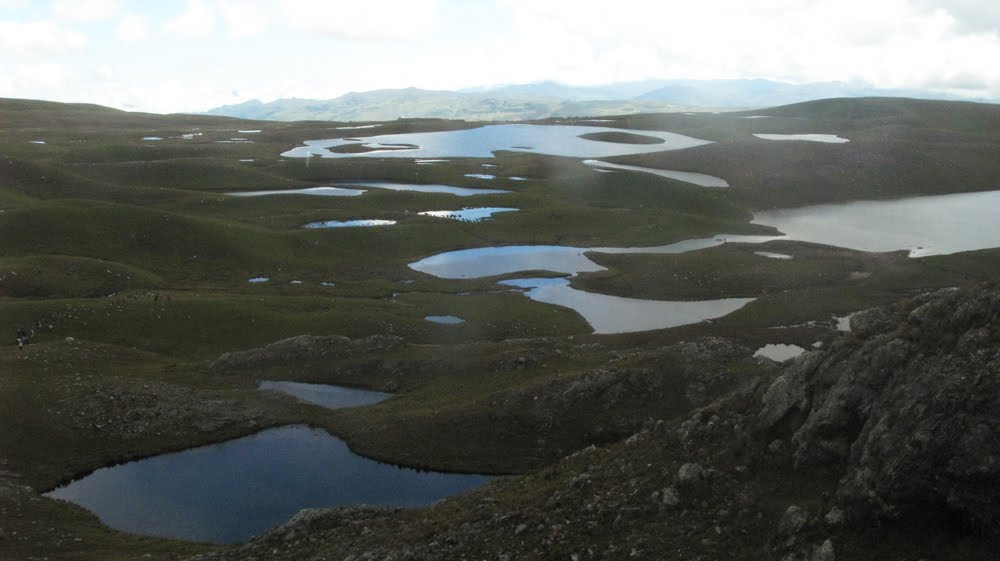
<point>229,492</point>
<point>490,261</point>
<point>331,397</point>
<point>318,191</point>
<point>482,142</point>
<point>445,320</point>
<point>772,255</point>
<point>699,179</point>
<point>827,138</point>
<point>468,214</point>
<point>936,225</point>
<point>615,314</point>
<point>428,188</point>
<point>350,189</point>
<point>779,352</point>
<point>348,223</point>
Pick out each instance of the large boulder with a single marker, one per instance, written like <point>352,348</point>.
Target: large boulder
<point>909,405</point>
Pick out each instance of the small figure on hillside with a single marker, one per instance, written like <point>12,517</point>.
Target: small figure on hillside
<point>22,339</point>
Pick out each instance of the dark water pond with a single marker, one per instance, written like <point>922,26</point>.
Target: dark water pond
<point>331,397</point>
<point>229,492</point>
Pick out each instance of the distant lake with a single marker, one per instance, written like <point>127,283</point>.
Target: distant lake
<point>482,142</point>
<point>934,225</point>
<point>230,492</point>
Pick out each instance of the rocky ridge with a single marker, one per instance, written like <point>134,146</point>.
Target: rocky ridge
<point>881,446</point>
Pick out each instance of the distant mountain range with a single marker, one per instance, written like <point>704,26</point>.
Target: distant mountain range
<point>551,99</point>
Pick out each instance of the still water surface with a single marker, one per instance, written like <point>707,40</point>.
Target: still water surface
<point>229,492</point>
<point>331,397</point>
<point>482,142</point>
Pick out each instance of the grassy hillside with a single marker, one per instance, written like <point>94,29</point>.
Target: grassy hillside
<point>129,262</point>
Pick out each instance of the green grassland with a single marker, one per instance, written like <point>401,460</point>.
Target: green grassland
<point>130,263</point>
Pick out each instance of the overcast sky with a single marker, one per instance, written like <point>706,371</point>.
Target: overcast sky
<point>191,55</point>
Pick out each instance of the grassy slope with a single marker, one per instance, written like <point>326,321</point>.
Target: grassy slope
<point>131,248</point>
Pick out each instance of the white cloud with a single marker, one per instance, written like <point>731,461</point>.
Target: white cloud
<point>85,10</point>
<point>385,19</point>
<point>43,80</point>
<point>38,38</point>
<point>197,20</point>
<point>246,17</point>
<point>133,28</point>
<point>891,43</point>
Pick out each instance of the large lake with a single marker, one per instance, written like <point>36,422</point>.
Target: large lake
<point>482,142</point>
<point>934,225</point>
<point>230,492</point>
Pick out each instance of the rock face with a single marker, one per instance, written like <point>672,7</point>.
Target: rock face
<point>910,406</point>
<point>304,347</point>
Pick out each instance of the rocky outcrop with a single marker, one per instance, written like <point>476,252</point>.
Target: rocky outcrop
<point>304,348</point>
<point>910,407</point>
<point>901,416</point>
<point>613,401</point>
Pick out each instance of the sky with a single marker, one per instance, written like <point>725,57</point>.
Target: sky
<point>191,55</point>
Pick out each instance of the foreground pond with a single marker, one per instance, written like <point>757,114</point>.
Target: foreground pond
<point>229,492</point>
<point>482,142</point>
<point>331,397</point>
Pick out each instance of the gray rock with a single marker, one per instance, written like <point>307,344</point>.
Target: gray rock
<point>908,408</point>
<point>690,474</point>
<point>823,552</point>
<point>835,517</point>
<point>792,521</point>
<point>670,497</point>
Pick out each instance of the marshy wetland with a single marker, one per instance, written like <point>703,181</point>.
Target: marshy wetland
<point>129,261</point>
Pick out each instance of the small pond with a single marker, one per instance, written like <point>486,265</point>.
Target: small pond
<point>468,214</point>
<point>348,223</point>
<point>615,314</point>
<point>827,138</point>
<point>779,352</point>
<point>351,189</point>
<point>317,191</point>
<point>331,397</point>
<point>429,188</point>
<point>230,492</point>
<point>501,260</point>
<point>482,142</point>
<point>694,178</point>
<point>445,320</point>
<point>772,255</point>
